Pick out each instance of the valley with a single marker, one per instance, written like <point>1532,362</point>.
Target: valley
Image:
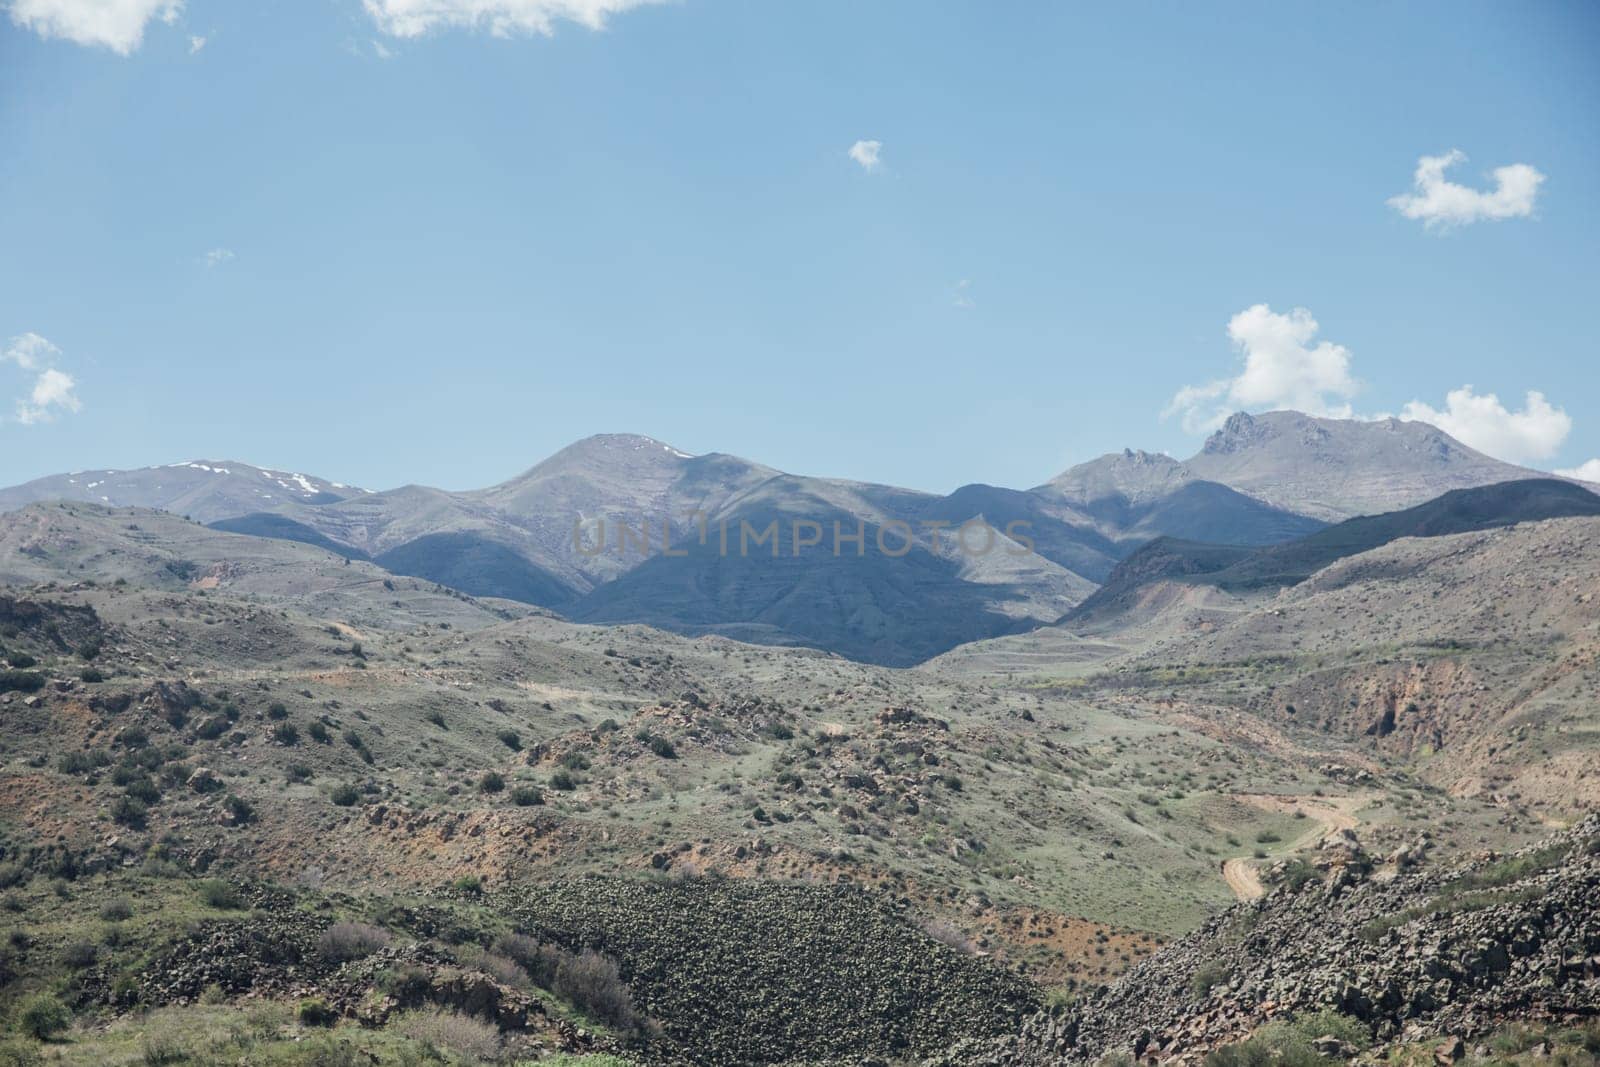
<point>496,795</point>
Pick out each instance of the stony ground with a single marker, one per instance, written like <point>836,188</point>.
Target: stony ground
<point>886,861</point>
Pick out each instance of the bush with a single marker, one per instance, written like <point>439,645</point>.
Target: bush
<point>319,732</point>
<point>491,782</point>
<point>116,911</point>
<point>469,883</point>
<point>1297,873</point>
<point>83,762</point>
<point>286,733</point>
<point>126,811</point>
<point>1290,1044</point>
<point>277,712</point>
<point>563,781</point>
<point>42,1016</point>
<point>91,675</point>
<point>437,718</point>
<point>314,1011</point>
<point>593,983</point>
<point>239,808</point>
<point>80,954</point>
<point>215,893</point>
<point>663,748</point>
<point>21,681</point>
<point>355,741</point>
<point>511,739</point>
<point>211,727</point>
<point>1208,977</point>
<point>159,1050</point>
<point>527,796</point>
<point>408,985</point>
<point>474,1039</point>
<point>343,942</point>
<point>21,660</point>
<point>345,796</point>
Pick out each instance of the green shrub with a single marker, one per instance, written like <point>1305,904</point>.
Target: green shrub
<point>473,1039</point>
<point>663,748</point>
<point>314,1011</point>
<point>345,795</point>
<point>563,781</point>
<point>160,1050</point>
<point>1290,1044</point>
<point>129,812</point>
<point>83,762</point>
<point>277,712</point>
<point>286,733</point>
<point>42,1016</point>
<point>469,883</point>
<point>491,782</point>
<point>239,808</point>
<point>354,740</point>
<point>319,732</point>
<point>527,796</point>
<point>91,675</point>
<point>1208,977</point>
<point>511,739</point>
<point>116,910</point>
<point>80,954</point>
<point>216,893</point>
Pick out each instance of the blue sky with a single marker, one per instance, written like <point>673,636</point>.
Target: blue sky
<point>332,238</point>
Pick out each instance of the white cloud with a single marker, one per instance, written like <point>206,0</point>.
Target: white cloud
<point>1483,422</point>
<point>53,391</point>
<point>1281,370</point>
<point>216,257</point>
<point>1442,204</point>
<point>1584,472</point>
<point>866,154</point>
<point>196,42</point>
<point>963,295</point>
<point>381,50</point>
<point>503,18</point>
<point>29,351</point>
<point>114,24</point>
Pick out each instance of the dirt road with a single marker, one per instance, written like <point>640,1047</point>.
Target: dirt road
<point>1330,814</point>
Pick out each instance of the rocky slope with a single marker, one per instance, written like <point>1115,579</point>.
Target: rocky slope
<point>1338,468</point>
<point>1237,569</point>
<point>1446,952</point>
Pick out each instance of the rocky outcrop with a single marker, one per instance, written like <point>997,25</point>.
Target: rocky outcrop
<point>1437,953</point>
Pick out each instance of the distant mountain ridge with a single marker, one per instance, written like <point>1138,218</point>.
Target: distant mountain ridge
<point>1240,569</point>
<point>1260,480</point>
<point>204,490</point>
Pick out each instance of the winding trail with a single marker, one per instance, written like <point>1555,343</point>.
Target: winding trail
<point>1331,814</point>
<point>1242,878</point>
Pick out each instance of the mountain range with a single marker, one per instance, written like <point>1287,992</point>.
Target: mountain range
<point>623,528</point>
